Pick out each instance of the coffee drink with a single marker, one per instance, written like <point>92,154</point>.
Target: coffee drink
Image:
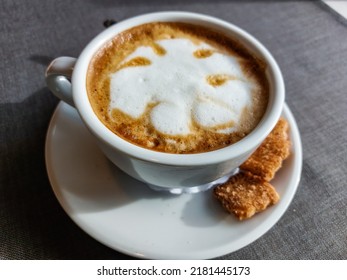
<point>177,87</point>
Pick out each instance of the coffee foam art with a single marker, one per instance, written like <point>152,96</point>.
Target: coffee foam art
<point>186,83</point>
<point>177,88</point>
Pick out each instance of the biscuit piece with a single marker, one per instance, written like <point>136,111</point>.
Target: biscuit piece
<point>268,157</point>
<point>245,194</point>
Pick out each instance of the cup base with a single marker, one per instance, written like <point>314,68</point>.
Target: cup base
<point>194,189</point>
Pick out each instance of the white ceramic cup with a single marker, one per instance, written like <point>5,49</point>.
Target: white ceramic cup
<point>176,173</point>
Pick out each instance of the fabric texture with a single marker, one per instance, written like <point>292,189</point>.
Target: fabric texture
<point>306,38</point>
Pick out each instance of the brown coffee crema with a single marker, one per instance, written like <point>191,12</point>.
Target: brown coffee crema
<point>140,130</point>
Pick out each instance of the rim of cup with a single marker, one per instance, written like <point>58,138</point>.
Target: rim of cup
<point>242,147</point>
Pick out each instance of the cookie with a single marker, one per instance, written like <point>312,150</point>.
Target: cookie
<point>268,157</point>
<point>245,195</point>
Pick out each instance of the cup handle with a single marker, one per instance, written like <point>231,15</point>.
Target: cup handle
<point>58,78</point>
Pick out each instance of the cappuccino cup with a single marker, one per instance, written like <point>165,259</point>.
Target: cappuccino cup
<point>176,100</point>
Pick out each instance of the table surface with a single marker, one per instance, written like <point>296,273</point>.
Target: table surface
<point>308,40</point>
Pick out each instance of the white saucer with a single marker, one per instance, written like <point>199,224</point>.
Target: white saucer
<point>127,216</point>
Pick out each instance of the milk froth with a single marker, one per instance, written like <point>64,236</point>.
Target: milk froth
<point>177,88</point>
<point>177,82</point>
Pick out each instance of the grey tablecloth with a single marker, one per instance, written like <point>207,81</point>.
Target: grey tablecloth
<point>309,42</point>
